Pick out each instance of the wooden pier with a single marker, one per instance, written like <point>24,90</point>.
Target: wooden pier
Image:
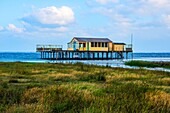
<point>86,49</point>
<point>59,54</point>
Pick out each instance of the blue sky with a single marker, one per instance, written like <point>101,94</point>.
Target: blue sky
<point>25,23</point>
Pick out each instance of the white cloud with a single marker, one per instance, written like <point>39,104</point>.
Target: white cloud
<point>132,13</point>
<point>1,28</point>
<point>51,16</point>
<point>106,1</point>
<point>58,29</point>
<point>122,21</point>
<point>13,28</point>
<point>167,20</point>
<point>159,3</point>
<point>153,7</point>
<point>117,18</point>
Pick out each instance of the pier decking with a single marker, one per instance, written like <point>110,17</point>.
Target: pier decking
<point>59,54</point>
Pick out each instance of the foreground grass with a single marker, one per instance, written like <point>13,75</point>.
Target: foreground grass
<point>35,88</point>
<point>148,64</point>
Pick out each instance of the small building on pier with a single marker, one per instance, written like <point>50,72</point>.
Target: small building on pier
<point>80,48</point>
<point>94,44</point>
<point>118,46</point>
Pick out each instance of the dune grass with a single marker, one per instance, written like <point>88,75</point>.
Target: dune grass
<point>49,88</point>
<point>148,64</point>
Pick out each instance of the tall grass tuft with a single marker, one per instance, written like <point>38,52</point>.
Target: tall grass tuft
<point>62,99</point>
<point>93,77</point>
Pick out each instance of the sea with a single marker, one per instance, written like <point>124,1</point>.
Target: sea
<point>35,57</point>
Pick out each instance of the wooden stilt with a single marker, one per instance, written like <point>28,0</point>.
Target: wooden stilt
<point>84,55</point>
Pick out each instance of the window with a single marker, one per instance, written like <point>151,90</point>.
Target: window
<point>102,44</point>
<point>92,44</point>
<point>99,44</point>
<point>69,45</point>
<point>106,44</point>
<point>80,44</point>
<point>95,44</point>
<point>84,44</point>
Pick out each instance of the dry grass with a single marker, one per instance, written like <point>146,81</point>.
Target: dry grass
<point>30,87</point>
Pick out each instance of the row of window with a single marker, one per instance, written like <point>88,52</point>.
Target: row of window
<point>99,44</point>
<point>93,44</point>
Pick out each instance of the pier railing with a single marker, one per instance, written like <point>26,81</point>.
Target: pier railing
<point>128,48</point>
<point>48,47</point>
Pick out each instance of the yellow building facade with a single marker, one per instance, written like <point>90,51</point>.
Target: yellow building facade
<point>94,44</point>
<point>118,47</point>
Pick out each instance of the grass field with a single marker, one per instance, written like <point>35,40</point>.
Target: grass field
<point>49,88</point>
<point>148,64</point>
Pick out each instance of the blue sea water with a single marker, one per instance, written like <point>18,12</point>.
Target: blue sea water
<point>35,57</point>
<point>20,57</point>
<point>152,56</point>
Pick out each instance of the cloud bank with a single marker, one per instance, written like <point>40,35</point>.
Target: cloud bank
<point>132,13</point>
<point>106,1</point>
<point>51,16</point>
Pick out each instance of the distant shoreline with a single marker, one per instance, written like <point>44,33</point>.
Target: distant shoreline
<point>149,64</point>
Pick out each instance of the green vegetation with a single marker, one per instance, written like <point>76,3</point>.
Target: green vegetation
<point>49,88</point>
<point>148,64</point>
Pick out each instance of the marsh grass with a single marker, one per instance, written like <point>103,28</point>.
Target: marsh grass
<point>148,64</point>
<point>39,87</point>
<point>93,77</point>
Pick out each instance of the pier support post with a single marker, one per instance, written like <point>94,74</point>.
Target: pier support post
<point>132,55</point>
<point>69,55</point>
<point>52,55</point>
<point>126,55</point>
<point>107,55</point>
<point>111,55</point>
<point>98,55</point>
<point>41,55</point>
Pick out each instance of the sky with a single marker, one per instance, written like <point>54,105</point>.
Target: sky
<point>26,23</point>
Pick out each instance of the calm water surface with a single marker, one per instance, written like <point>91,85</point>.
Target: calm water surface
<point>35,57</point>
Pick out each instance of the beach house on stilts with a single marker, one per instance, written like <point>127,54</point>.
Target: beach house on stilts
<point>81,48</point>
